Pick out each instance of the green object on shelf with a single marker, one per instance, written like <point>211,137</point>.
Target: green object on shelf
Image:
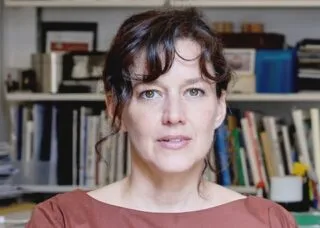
<point>306,219</point>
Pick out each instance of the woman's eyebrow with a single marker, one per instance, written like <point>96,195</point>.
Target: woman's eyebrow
<point>187,82</point>
<point>191,81</point>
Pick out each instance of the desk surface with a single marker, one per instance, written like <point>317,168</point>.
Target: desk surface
<point>16,216</point>
<point>17,213</point>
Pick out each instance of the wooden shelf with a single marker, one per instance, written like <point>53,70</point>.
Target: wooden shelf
<point>247,3</point>
<point>37,97</point>
<point>51,188</point>
<point>244,189</point>
<point>84,3</point>
<point>33,97</point>
<point>294,97</point>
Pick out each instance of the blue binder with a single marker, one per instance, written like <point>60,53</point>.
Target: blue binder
<point>275,71</point>
<point>222,153</point>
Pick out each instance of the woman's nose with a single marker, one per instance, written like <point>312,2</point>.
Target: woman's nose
<point>173,111</point>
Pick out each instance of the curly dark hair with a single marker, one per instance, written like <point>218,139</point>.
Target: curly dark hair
<point>151,32</point>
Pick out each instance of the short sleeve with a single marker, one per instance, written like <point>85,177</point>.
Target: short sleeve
<point>46,215</point>
<point>281,218</point>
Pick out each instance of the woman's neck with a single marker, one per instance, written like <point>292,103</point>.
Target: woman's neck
<point>150,190</point>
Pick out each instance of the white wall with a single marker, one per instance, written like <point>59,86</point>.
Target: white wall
<point>20,27</point>
<point>19,36</point>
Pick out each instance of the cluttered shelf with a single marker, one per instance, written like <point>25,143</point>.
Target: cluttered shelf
<point>232,97</point>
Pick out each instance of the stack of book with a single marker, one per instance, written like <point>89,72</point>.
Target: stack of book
<point>308,52</point>
<point>7,170</point>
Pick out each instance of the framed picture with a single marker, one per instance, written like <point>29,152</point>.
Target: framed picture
<point>242,61</point>
<point>68,36</point>
<point>83,65</point>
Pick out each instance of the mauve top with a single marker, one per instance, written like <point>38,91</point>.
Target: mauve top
<point>78,209</point>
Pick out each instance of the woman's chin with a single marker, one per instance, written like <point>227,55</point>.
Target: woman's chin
<point>175,167</point>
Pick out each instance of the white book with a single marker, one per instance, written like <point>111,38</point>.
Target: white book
<point>270,124</point>
<point>29,141</point>
<point>250,150</point>
<point>24,139</point>
<point>244,166</point>
<point>74,146</point>
<point>37,116</point>
<point>14,110</point>
<point>91,155</point>
<point>257,148</point>
<point>102,166</point>
<point>287,147</point>
<point>315,127</point>
<point>298,120</point>
<point>83,142</point>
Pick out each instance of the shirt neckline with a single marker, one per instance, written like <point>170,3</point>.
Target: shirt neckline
<point>137,211</point>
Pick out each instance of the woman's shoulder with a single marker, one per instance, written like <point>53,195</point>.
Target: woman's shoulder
<point>269,212</point>
<point>66,200</point>
<point>62,210</point>
<point>258,210</point>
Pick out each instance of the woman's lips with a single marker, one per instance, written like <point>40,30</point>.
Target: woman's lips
<point>174,142</point>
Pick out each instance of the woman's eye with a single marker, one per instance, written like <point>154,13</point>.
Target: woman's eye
<point>194,92</point>
<point>149,94</point>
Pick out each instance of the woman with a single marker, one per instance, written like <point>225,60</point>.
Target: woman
<point>165,81</point>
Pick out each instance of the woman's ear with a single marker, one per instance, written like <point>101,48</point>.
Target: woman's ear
<point>221,110</point>
<point>111,108</point>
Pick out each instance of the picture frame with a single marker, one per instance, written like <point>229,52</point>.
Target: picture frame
<point>68,36</point>
<point>241,60</point>
<point>83,65</point>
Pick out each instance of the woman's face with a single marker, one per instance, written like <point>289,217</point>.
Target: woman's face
<point>171,121</point>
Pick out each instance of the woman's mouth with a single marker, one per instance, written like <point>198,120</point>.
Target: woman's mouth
<point>174,142</point>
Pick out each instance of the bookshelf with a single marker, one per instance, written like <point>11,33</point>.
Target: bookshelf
<point>25,98</point>
<point>237,99</point>
<point>42,184</point>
